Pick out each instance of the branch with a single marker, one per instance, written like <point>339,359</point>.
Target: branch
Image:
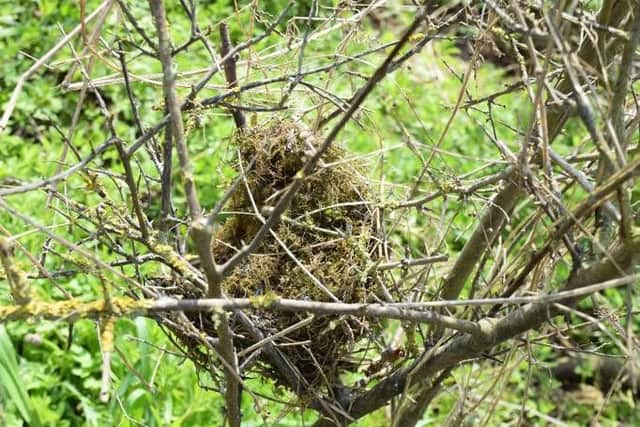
<point>230,73</point>
<point>72,310</point>
<point>176,131</point>
<point>124,306</point>
<point>174,126</point>
<point>622,84</point>
<point>60,176</point>
<point>493,220</point>
<point>617,112</point>
<point>623,259</point>
<point>40,62</point>
<point>309,167</point>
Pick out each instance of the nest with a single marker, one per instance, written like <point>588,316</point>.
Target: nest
<point>325,237</point>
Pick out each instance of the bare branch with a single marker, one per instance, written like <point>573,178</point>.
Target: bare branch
<point>625,257</point>
<point>8,110</point>
<point>230,73</point>
<point>175,129</point>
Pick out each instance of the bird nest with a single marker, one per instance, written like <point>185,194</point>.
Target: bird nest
<point>322,249</point>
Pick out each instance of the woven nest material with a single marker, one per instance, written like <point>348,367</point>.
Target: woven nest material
<point>325,237</point>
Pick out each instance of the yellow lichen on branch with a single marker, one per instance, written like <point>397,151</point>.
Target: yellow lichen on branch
<point>17,278</point>
<point>71,310</point>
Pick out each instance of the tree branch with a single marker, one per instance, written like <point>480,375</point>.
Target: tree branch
<point>176,130</point>
<point>623,260</point>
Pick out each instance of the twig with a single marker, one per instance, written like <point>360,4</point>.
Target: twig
<point>405,263</point>
<point>310,165</point>
<point>279,334</point>
<point>582,179</point>
<point>67,244</point>
<point>466,347</point>
<point>58,177</point>
<point>40,62</point>
<point>106,347</point>
<point>134,22</point>
<point>242,46</point>
<point>133,189</point>
<point>230,73</point>
<point>354,19</point>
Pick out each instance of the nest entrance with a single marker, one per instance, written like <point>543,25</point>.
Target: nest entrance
<point>324,241</point>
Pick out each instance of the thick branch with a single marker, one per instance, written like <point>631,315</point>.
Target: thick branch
<point>413,312</point>
<point>129,307</point>
<point>623,259</point>
<point>491,224</point>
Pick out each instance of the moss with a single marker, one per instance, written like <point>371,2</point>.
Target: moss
<point>339,258</point>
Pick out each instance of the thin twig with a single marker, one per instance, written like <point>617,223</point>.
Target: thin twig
<point>4,120</point>
<point>231,73</point>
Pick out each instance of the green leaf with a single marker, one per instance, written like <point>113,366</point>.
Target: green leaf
<point>11,387</point>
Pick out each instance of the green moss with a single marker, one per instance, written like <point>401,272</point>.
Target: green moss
<point>329,235</point>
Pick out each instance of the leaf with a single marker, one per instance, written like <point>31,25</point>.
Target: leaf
<point>11,386</point>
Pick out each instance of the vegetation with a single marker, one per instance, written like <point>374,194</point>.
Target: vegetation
<point>319,213</point>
